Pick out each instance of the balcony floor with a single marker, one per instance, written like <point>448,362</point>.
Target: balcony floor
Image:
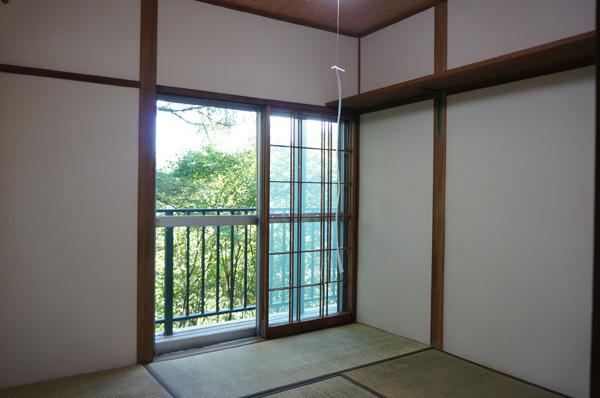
<point>347,361</point>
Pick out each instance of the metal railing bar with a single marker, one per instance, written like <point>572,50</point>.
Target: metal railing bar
<point>203,265</point>
<point>310,182</point>
<point>231,268</point>
<point>313,250</point>
<point>275,213</point>
<point>205,210</point>
<point>279,218</point>
<point>187,270</point>
<point>204,220</point>
<point>308,251</point>
<point>277,289</point>
<point>206,314</point>
<point>218,266</point>
<point>245,265</point>
<point>168,292</point>
<point>348,151</point>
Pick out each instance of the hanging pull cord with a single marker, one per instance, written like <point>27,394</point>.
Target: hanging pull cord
<point>338,69</point>
<point>338,256</point>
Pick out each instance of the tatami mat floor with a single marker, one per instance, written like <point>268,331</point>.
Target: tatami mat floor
<point>348,361</point>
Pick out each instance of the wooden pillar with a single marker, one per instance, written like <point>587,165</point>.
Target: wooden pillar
<point>595,363</point>
<point>146,174</point>
<point>439,182</point>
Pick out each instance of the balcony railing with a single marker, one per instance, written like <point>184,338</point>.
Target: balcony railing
<point>204,274</point>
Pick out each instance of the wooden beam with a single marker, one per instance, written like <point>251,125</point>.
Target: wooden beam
<point>416,7</point>
<point>81,77</point>
<point>278,16</point>
<point>354,217</point>
<point>146,183</point>
<point>557,56</point>
<point>359,72</point>
<point>441,37</point>
<point>357,20</point>
<point>595,354</point>
<point>439,183</point>
<point>276,105</point>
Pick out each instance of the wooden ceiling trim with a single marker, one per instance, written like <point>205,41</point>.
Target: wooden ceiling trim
<point>379,14</point>
<point>557,56</point>
<point>357,17</point>
<point>277,16</point>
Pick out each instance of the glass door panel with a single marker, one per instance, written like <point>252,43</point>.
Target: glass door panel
<point>308,219</point>
<point>206,217</point>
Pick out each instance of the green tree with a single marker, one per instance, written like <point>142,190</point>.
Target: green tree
<point>208,179</point>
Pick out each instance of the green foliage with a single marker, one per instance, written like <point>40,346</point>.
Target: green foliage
<point>208,179</point>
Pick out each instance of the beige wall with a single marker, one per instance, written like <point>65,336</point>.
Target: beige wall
<point>396,170</point>
<point>519,195</point>
<point>519,228</point>
<point>399,52</point>
<point>68,171</point>
<point>477,30</point>
<point>211,48</point>
<point>68,168</point>
<point>83,36</point>
<point>481,29</point>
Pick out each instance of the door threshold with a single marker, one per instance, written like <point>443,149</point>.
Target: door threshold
<point>200,338</point>
<point>209,348</point>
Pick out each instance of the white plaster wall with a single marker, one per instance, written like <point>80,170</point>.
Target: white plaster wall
<point>481,29</point>
<point>394,253</point>
<point>519,228</point>
<point>83,36</point>
<point>399,52</point>
<point>211,48</point>
<point>68,177</point>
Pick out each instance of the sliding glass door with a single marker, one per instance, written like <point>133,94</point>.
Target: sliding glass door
<point>308,221</point>
<point>213,229</point>
<point>206,233</point>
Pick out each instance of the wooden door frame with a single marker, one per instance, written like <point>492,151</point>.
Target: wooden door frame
<point>439,182</point>
<point>595,349</point>
<point>146,183</point>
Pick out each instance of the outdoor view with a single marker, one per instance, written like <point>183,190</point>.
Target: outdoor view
<point>206,270</point>
<point>206,165</point>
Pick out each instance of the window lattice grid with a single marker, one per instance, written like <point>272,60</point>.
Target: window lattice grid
<point>306,218</point>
